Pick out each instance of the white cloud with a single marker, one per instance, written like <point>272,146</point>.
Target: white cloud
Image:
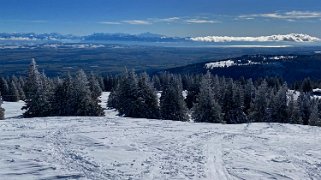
<point>201,21</point>
<point>137,22</point>
<point>291,15</point>
<point>110,22</point>
<point>287,37</point>
<point>170,19</point>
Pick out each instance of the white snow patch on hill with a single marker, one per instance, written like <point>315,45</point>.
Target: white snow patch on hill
<point>226,63</point>
<point>114,147</point>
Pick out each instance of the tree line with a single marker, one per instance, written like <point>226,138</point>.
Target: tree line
<point>207,98</point>
<point>214,99</point>
<point>69,96</point>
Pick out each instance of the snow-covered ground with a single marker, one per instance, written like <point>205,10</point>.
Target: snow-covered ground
<point>114,147</point>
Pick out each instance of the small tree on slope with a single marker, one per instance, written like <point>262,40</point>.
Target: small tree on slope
<point>1,109</point>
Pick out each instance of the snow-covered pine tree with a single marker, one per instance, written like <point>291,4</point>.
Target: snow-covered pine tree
<point>113,98</point>
<point>279,106</point>
<point>94,86</point>
<point>1,109</point>
<point>19,87</point>
<point>206,109</point>
<point>156,82</point>
<point>85,105</point>
<point>192,93</point>
<point>4,89</point>
<point>37,100</point>
<point>259,106</point>
<point>64,104</point>
<point>172,103</point>
<point>147,101</point>
<point>314,119</point>
<point>249,92</point>
<point>293,111</point>
<point>304,102</point>
<point>127,95</point>
<point>13,94</point>
<point>233,103</point>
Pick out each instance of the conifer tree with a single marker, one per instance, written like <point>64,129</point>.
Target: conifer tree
<point>192,93</point>
<point>85,105</point>
<point>279,106</point>
<point>172,103</point>
<point>113,98</point>
<point>293,112</point>
<point>147,98</point>
<point>13,94</point>
<point>1,109</point>
<point>314,119</point>
<point>128,95</point>
<point>64,98</point>
<point>259,106</point>
<point>37,100</point>
<point>94,85</point>
<point>4,89</point>
<point>19,87</point>
<point>304,102</point>
<point>249,92</point>
<point>206,109</point>
<point>306,85</point>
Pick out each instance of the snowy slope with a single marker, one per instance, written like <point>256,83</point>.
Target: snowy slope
<point>114,147</point>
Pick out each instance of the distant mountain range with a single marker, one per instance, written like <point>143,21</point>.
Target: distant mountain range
<point>156,38</point>
<point>288,67</point>
<point>96,37</point>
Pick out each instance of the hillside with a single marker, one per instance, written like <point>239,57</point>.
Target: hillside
<point>290,67</point>
<point>115,147</point>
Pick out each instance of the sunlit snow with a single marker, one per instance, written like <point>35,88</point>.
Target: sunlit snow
<point>115,147</point>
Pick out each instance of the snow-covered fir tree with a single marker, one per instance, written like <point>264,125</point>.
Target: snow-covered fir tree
<point>4,88</point>
<point>94,86</point>
<point>304,102</point>
<point>64,104</point>
<point>279,105</point>
<point>127,94</point>
<point>260,103</point>
<point>314,119</point>
<point>13,94</point>
<point>1,109</point>
<point>84,103</point>
<point>147,98</point>
<point>37,96</point>
<point>172,103</point>
<point>206,109</point>
<point>293,111</point>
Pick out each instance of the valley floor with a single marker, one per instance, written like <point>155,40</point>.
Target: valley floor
<point>115,147</point>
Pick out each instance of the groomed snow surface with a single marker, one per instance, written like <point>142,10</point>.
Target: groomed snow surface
<point>115,147</point>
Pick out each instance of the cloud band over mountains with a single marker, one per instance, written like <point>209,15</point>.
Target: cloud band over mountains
<point>273,38</point>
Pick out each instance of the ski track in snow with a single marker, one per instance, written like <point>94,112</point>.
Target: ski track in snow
<point>115,147</point>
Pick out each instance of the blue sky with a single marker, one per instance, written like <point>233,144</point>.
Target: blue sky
<point>168,17</point>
